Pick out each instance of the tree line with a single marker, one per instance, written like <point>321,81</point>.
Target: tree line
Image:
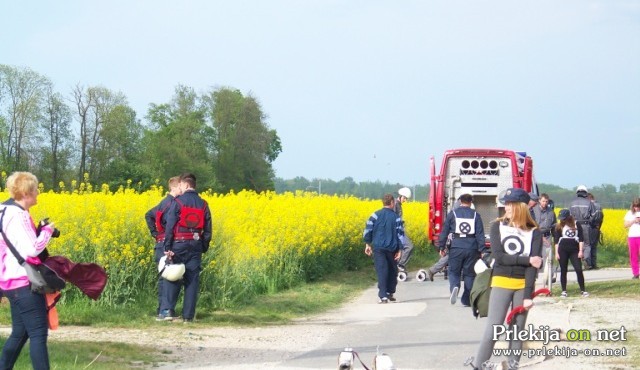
<point>92,134</point>
<point>609,196</point>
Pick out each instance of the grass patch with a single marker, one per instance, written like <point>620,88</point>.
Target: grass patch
<point>609,257</point>
<point>92,355</point>
<point>303,300</point>
<point>604,289</point>
<point>279,308</point>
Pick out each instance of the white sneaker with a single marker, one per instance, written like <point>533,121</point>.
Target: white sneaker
<point>454,295</point>
<point>383,300</point>
<point>585,294</point>
<point>563,294</point>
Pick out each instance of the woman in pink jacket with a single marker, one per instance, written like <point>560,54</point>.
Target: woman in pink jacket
<point>632,223</point>
<point>28,309</point>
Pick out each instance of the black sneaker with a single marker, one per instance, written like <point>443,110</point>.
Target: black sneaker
<point>391,298</point>
<point>430,275</point>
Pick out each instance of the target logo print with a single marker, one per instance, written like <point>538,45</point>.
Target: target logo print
<point>465,228</point>
<point>513,245</point>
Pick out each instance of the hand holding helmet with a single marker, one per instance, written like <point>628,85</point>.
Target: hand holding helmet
<point>170,271</point>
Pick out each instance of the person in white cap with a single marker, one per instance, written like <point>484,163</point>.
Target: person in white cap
<point>407,249</point>
<point>583,211</point>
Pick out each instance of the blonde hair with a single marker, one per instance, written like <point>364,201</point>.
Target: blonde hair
<point>21,184</point>
<point>174,181</point>
<point>520,217</point>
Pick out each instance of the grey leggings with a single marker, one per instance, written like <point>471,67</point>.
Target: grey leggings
<point>500,302</point>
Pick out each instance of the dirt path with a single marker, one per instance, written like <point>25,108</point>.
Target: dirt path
<point>197,347</point>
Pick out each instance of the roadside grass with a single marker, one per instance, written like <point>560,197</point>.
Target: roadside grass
<point>280,308</point>
<point>92,355</point>
<point>603,289</point>
<point>613,257</point>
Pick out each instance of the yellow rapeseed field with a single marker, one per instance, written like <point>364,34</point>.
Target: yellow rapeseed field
<point>261,242</point>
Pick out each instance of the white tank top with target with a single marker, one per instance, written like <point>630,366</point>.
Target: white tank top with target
<point>569,233</point>
<point>516,241</point>
<point>465,226</point>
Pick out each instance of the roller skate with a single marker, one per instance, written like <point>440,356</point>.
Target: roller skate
<point>402,273</point>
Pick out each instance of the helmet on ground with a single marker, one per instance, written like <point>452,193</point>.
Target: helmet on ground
<point>170,271</point>
<point>581,188</point>
<point>405,192</point>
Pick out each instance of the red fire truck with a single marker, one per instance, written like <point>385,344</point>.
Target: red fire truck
<point>484,173</point>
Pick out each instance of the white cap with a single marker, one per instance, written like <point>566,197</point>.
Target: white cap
<point>581,188</point>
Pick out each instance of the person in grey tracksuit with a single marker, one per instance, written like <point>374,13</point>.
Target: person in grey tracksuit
<point>546,220</point>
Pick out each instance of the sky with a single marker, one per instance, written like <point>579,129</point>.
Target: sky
<point>370,89</point>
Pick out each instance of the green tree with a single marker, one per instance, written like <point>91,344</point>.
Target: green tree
<point>54,162</point>
<point>179,139</point>
<point>22,92</point>
<point>121,153</point>
<point>244,145</point>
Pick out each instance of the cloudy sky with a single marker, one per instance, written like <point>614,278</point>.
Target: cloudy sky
<point>370,89</point>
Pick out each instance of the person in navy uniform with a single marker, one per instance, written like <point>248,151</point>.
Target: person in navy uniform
<point>583,210</point>
<point>156,222</point>
<point>383,236</point>
<point>187,236</point>
<point>467,245</point>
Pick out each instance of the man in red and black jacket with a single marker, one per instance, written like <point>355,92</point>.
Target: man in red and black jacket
<point>156,222</point>
<point>187,237</point>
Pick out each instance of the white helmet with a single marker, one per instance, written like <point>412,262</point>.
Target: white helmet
<point>170,271</point>
<point>581,188</point>
<point>405,192</point>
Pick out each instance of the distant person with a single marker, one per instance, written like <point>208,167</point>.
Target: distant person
<point>569,247</point>
<point>441,264</point>
<point>544,216</point>
<point>156,221</point>
<point>582,211</point>
<point>594,231</point>
<point>404,194</point>
<point>467,244</point>
<point>533,201</point>
<point>516,247</point>
<point>383,234</point>
<point>632,222</point>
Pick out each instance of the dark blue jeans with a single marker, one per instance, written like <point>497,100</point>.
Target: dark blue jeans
<point>158,252</point>
<point>28,321</point>
<point>192,258</point>
<point>461,261</point>
<point>387,271</point>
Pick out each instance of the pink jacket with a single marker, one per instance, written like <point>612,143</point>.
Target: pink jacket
<point>21,232</point>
